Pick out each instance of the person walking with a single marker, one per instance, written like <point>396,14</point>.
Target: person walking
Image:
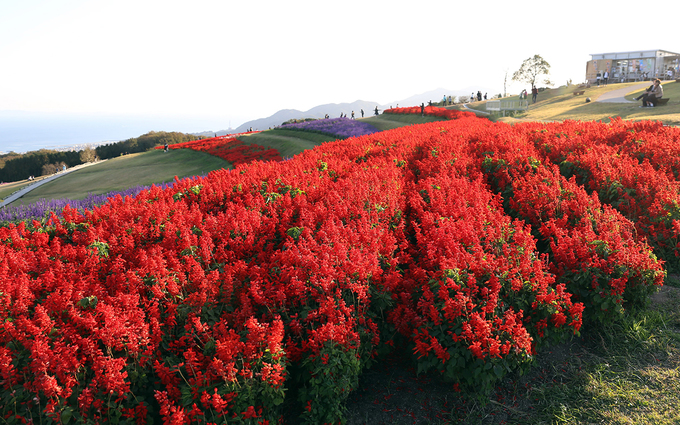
<point>534,94</point>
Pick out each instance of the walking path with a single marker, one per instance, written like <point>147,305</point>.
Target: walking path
<point>617,96</point>
<point>24,190</point>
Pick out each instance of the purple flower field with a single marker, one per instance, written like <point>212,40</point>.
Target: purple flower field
<point>342,128</point>
<point>42,208</point>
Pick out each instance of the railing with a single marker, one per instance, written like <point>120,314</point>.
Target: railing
<point>493,105</point>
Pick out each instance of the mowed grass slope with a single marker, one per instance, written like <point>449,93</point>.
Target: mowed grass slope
<point>389,121</point>
<point>125,172</point>
<point>288,142</point>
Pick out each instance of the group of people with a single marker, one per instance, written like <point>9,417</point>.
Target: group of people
<point>534,94</point>
<point>447,100</point>
<point>478,96</point>
<point>651,95</point>
<point>344,115</point>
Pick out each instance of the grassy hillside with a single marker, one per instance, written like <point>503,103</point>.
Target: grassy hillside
<point>288,142</point>
<point>127,171</point>
<point>390,121</point>
<point>560,104</point>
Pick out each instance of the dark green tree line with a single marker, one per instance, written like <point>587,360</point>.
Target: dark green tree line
<point>142,143</point>
<point>32,163</point>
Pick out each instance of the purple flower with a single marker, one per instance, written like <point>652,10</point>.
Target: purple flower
<point>342,128</point>
<point>43,207</point>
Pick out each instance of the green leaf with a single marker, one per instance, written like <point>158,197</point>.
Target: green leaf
<point>66,415</point>
<point>605,304</point>
<point>295,232</point>
<point>196,189</point>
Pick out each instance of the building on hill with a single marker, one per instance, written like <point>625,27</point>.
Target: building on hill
<point>634,66</point>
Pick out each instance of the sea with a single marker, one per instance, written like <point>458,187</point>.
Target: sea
<point>22,132</point>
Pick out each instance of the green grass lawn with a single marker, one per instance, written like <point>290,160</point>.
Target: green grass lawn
<point>626,373</point>
<point>288,142</point>
<point>389,121</point>
<point>125,172</point>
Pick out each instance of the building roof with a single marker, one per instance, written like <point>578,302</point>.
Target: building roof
<point>635,54</point>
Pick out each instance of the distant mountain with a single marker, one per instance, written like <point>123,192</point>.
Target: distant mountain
<point>332,109</point>
<point>335,109</point>
<point>208,134</point>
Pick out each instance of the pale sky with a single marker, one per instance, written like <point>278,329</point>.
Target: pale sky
<point>238,60</point>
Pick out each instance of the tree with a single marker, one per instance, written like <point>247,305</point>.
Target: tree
<point>88,154</point>
<point>49,169</point>
<point>531,69</point>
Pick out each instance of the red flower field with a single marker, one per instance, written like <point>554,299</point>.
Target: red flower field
<point>466,243</point>
<point>230,149</point>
